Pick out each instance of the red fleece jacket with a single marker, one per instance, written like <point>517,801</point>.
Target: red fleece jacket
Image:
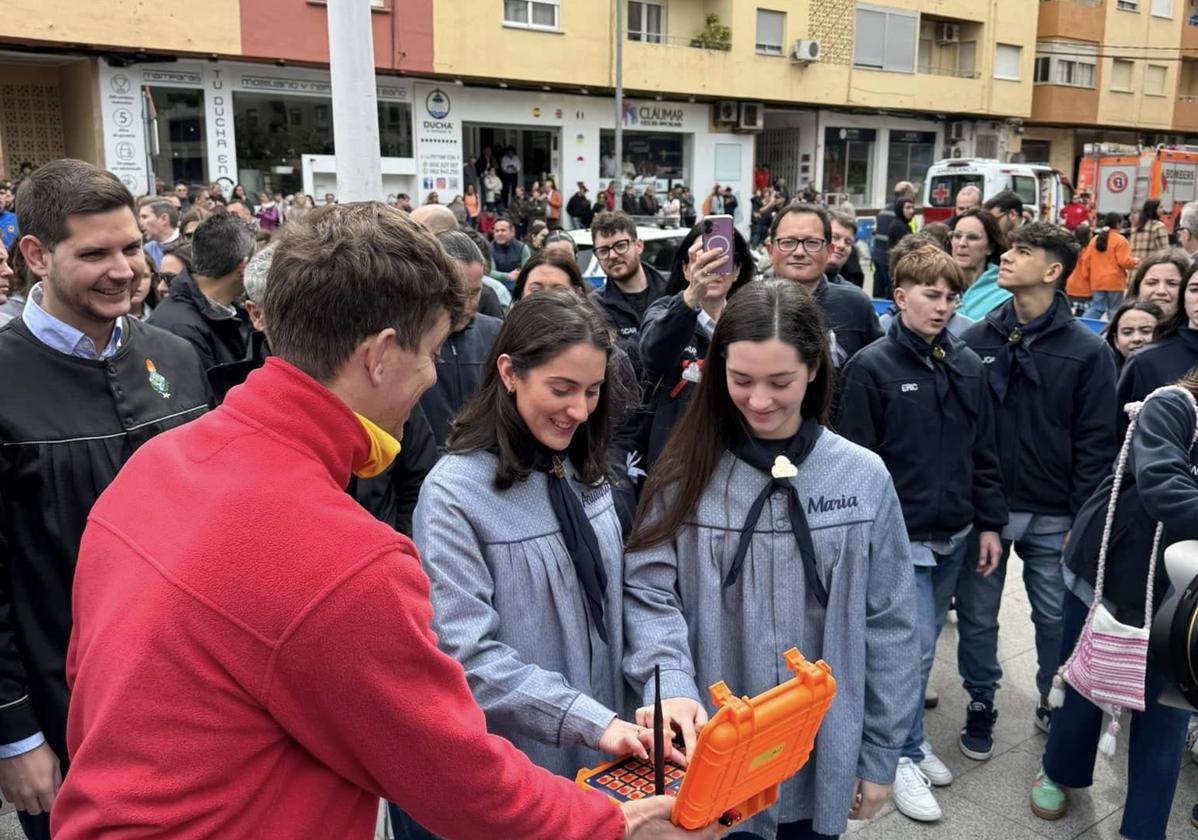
<point>251,655</point>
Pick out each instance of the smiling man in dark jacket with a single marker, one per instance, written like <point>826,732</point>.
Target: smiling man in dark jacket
<point>204,307</point>
<point>1053,383</point>
<point>919,398</point>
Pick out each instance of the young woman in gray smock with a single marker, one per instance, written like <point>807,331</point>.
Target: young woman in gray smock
<point>521,543</point>
<point>760,530</point>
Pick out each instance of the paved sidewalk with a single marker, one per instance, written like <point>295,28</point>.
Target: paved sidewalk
<point>988,800</point>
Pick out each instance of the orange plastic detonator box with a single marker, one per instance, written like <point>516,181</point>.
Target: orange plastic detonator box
<point>747,749</point>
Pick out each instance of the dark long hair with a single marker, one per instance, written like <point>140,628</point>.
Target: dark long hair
<point>1112,222</point>
<point>1181,318</point>
<point>1148,213</point>
<point>712,423</point>
<point>994,234</point>
<point>1111,331</point>
<point>741,256</point>
<point>538,329</point>
<point>567,265</point>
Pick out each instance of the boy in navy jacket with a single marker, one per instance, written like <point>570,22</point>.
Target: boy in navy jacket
<point>918,397</point>
<point>1053,385</point>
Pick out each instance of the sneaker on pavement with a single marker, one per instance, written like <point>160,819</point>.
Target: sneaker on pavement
<point>1194,817</point>
<point>912,793</point>
<point>931,698</point>
<point>935,769</point>
<point>977,736</point>
<point>1192,737</point>
<point>1049,801</point>
<point>1043,716</point>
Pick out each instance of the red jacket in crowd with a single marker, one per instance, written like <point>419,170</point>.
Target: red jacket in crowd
<point>251,654</point>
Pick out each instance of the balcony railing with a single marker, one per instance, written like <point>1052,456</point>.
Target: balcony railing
<point>949,71</point>
<point>670,41</point>
<point>1094,4</point>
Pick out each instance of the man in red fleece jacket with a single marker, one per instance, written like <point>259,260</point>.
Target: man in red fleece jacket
<point>251,654</point>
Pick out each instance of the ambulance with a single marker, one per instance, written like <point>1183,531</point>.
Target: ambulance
<point>1122,178</point>
<point>1041,187</point>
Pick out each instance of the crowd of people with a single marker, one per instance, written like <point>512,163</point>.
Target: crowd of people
<point>384,505</point>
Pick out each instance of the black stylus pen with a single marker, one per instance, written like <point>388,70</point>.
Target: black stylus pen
<point>659,759</point>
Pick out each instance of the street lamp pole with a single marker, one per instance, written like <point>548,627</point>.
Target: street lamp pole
<point>355,101</point>
<point>618,152</point>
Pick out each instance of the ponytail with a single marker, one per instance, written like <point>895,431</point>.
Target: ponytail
<point>1101,242</point>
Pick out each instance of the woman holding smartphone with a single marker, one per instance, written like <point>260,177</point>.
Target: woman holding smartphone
<point>760,529</point>
<point>678,326</point>
<point>519,536</point>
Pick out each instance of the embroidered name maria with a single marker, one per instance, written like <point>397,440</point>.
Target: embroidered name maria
<point>824,505</point>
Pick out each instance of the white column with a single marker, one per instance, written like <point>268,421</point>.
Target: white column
<point>355,102</point>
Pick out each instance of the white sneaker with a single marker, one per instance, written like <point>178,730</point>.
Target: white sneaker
<point>935,769</point>
<point>913,793</point>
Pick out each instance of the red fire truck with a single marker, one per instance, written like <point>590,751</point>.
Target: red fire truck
<point>1121,178</point>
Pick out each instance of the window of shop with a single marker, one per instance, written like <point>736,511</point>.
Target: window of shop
<point>646,21</point>
<point>274,132</point>
<point>771,32</point>
<point>649,159</point>
<point>1036,151</point>
<point>885,39</point>
<point>848,163</point>
<point>910,155</point>
<point>177,146</point>
<point>531,14</point>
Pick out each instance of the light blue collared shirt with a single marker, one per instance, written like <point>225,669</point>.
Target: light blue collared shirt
<point>60,336</point>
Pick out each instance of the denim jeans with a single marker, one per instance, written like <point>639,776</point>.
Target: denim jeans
<point>35,828</point>
<point>800,830</point>
<point>1158,736</point>
<point>404,827</point>
<point>1103,303</point>
<point>978,600</point>
<point>934,587</point>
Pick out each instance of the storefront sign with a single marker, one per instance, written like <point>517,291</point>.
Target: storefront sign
<point>658,115</point>
<point>275,84</point>
<point>123,123</point>
<point>218,113</point>
<point>856,135</point>
<point>438,141</point>
<point>913,137</point>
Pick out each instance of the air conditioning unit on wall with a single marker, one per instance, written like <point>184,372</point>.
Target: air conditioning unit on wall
<point>727,112</point>
<point>948,33</point>
<point>752,117</point>
<point>805,51</point>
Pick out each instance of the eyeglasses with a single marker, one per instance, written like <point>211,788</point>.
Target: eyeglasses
<point>620,248</point>
<point>958,236</point>
<point>788,244</point>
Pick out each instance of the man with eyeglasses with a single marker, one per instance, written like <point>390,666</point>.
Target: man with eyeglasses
<point>798,249</point>
<point>631,285</point>
<point>1187,228</point>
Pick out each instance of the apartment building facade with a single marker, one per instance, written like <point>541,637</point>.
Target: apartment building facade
<point>1112,72</point>
<point>844,96</point>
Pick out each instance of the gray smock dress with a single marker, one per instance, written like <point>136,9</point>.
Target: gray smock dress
<point>679,615</point>
<point>508,606</point>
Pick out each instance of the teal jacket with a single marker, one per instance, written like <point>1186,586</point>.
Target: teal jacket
<point>983,295</point>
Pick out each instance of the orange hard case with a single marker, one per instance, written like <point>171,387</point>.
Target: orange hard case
<point>747,749</point>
